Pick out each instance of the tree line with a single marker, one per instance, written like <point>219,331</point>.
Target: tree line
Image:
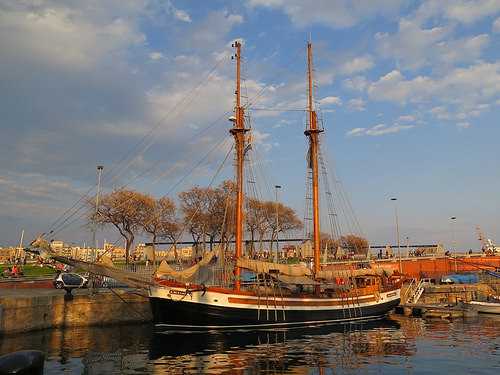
<point>205,213</point>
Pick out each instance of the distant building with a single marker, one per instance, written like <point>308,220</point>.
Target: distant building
<point>7,254</point>
<point>56,245</point>
<point>306,249</point>
<point>186,252</point>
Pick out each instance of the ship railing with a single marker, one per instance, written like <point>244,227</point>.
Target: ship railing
<point>417,291</point>
<point>409,290</point>
<point>220,276</point>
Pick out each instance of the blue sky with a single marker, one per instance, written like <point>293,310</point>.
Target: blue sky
<point>409,91</point>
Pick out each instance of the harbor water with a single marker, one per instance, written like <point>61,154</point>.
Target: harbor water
<point>397,345</point>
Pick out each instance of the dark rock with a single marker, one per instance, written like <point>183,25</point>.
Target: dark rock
<point>22,363</point>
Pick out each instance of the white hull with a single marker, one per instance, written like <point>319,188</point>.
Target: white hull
<point>485,307</point>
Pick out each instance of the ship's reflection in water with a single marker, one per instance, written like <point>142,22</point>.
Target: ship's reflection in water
<point>278,351</point>
<point>400,345</point>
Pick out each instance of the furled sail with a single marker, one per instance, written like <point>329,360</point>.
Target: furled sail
<point>106,261</point>
<point>296,280</point>
<point>265,267</point>
<point>303,273</point>
<point>165,271</point>
<point>333,274</point>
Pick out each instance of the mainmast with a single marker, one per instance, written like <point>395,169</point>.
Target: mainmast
<point>238,131</point>
<point>312,132</point>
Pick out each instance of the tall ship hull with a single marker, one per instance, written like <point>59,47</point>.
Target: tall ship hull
<point>216,308</point>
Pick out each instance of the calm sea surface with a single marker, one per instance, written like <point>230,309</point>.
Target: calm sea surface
<point>394,346</point>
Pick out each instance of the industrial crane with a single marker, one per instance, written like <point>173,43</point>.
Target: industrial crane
<point>487,245</point>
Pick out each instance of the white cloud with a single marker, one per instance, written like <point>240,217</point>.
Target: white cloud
<point>324,77</point>
<point>464,11</point>
<point>330,100</point>
<point>356,65</point>
<point>156,56</point>
<point>466,88</point>
<point>79,36</point>
<point>496,26</point>
<point>36,192</point>
<point>182,15</point>
<point>356,104</point>
<point>184,60</point>
<point>441,113</point>
<point>463,50</point>
<point>159,8</point>
<point>378,130</point>
<point>467,11</point>
<point>414,47</point>
<point>207,35</point>
<point>211,100</point>
<point>332,13</point>
<point>358,83</point>
<point>356,132</point>
<point>406,118</point>
<point>464,125</point>
<point>259,137</point>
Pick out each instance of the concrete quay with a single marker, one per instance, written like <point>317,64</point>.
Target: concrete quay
<point>35,309</point>
<point>444,301</point>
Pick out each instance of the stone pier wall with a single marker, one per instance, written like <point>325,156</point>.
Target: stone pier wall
<point>439,294</point>
<point>28,313</point>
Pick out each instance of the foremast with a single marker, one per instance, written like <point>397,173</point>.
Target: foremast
<point>238,131</point>
<point>312,133</point>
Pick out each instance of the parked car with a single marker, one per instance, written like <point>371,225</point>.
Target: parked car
<point>66,280</point>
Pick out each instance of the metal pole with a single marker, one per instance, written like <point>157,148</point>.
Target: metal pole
<point>397,233</point>
<point>94,229</point>
<point>19,250</point>
<point>276,187</point>
<point>453,243</point>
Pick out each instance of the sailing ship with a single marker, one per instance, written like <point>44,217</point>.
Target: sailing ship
<point>271,294</point>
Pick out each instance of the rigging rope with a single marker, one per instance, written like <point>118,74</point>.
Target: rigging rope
<point>223,140</point>
<point>58,225</point>
<point>183,228</point>
<point>126,156</point>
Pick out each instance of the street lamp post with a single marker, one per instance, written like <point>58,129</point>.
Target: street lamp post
<point>453,243</point>
<point>276,187</point>
<point>98,191</point>
<point>397,233</point>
